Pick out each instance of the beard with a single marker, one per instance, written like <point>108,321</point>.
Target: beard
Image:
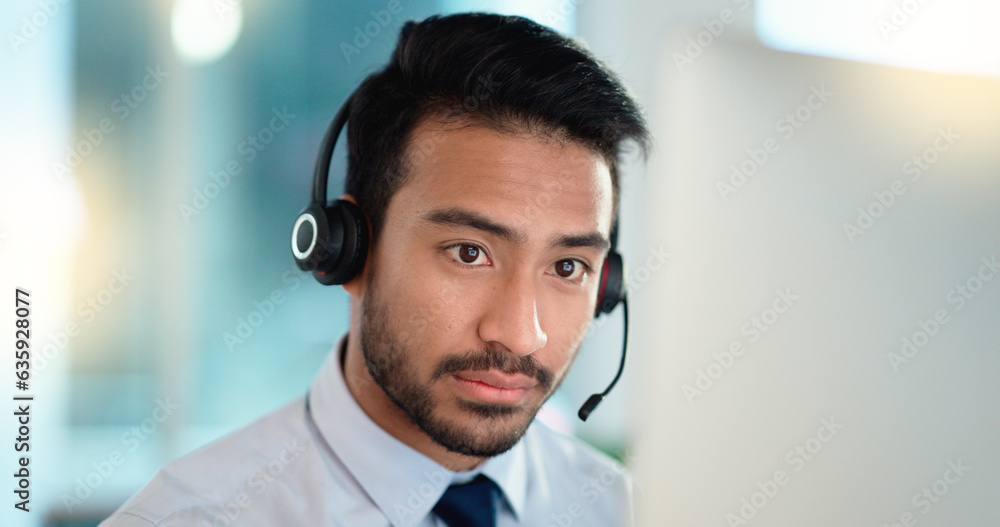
<point>481,429</point>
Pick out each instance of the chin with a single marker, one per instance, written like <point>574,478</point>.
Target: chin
<point>479,429</point>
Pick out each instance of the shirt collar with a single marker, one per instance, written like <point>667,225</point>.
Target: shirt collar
<point>407,487</point>
<point>510,472</point>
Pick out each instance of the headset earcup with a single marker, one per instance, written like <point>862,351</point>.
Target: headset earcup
<point>348,243</point>
<point>612,288</point>
<point>309,237</point>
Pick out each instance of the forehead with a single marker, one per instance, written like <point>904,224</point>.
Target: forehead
<point>543,182</point>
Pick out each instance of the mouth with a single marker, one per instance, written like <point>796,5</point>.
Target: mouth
<point>492,386</point>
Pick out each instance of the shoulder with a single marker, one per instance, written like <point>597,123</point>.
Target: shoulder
<point>224,478</point>
<point>589,486</point>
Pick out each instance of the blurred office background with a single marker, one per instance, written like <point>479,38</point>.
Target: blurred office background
<point>824,185</point>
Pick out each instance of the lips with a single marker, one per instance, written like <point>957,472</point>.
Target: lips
<point>498,380</point>
<point>493,386</point>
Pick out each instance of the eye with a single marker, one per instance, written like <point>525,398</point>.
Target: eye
<point>570,269</point>
<point>468,254</point>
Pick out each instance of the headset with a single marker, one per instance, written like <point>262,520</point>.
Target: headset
<point>331,240</point>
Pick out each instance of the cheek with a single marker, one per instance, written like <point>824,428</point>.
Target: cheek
<point>432,312</point>
<point>566,332</point>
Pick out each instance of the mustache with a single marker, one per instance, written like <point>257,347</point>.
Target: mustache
<point>496,359</point>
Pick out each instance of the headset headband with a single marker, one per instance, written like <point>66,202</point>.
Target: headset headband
<point>322,172</point>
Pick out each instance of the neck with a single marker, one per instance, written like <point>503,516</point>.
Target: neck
<point>391,418</point>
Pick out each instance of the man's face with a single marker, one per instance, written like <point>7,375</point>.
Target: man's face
<point>484,279</point>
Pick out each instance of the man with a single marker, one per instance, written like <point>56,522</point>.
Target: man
<point>483,158</point>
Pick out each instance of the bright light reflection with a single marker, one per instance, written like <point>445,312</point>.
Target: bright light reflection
<point>952,36</point>
<point>204,30</point>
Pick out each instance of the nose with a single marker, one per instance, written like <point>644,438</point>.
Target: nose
<point>511,318</point>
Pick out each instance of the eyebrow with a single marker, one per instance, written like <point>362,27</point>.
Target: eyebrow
<point>591,240</point>
<point>459,217</point>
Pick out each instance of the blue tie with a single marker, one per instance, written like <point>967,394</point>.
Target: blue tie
<point>469,504</point>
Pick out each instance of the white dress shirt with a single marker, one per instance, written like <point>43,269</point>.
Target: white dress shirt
<point>321,461</point>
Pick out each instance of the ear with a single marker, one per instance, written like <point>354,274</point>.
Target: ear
<point>357,284</point>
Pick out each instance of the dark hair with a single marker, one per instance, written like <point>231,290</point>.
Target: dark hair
<point>505,72</point>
